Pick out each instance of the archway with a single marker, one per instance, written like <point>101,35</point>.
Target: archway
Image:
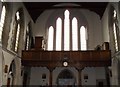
<point>66,79</point>
<point>11,74</point>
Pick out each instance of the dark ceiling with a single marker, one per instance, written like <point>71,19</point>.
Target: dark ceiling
<point>36,8</point>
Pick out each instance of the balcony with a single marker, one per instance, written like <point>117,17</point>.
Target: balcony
<point>74,58</point>
<point>89,58</point>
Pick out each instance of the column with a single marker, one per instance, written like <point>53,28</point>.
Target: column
<point>50,77</point>
<point>79,75</point>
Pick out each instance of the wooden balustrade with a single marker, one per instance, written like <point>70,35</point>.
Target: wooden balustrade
<point>74,58</point>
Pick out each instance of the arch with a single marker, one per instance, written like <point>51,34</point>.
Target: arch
<point>66,77</point>
<point>74,34</point>
<point>65,74</point>
<point>58,33</point>
<point>66,30</point>
<point>113,29</point>
<point>11,74</point>
<point>18,30</point>
<point>83,38</point>
<point>50,38</point>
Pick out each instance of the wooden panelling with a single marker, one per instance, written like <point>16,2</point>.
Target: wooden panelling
<point>75,58</point>
<point>45,56</point>
<point>55,56</point>
<point>38,42</point>
<point>74,55</point>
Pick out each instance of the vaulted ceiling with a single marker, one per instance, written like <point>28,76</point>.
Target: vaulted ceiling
<point>36,8</point>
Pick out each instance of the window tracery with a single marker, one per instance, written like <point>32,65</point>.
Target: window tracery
<point>65,41</point>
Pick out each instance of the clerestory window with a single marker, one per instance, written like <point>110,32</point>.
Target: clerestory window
<point>115,29</point>
<point>2,21</point>
<point>18,30</point>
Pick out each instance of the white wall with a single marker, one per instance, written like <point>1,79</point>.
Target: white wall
<point>36,76</point>
<point>40,24</point>
<point>94,74</point>
<point>105,28</point>
<point>94,29</point>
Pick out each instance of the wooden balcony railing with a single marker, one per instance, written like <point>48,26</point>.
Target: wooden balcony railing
<point>74,58</point>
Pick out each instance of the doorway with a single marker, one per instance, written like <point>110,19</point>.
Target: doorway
<point>66,79</point>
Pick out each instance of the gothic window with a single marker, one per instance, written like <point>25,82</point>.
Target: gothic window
<point>83,38</point>
<point>27,38</point>
<point>58,33</point>
<point>74,34</point>
<point>115,29</point>
<point>2,21</point>
<point>50,38</point>
<point>67,34</point>
<point>28,41</point>
<point>17,30</point>
<point>66,30</point>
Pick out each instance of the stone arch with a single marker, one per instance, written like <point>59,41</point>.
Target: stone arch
<point>66,76</point>
<point>112,20</point>
<point>11,73</point>
<point>14,71</point>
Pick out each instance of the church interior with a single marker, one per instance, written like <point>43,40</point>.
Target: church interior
<point>61,44</point>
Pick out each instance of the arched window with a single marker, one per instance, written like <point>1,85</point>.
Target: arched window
<point>115,29</point>
<point>83,41</point>
<point>58,33</point>
<point>66,30</point>
<point>2,21</point>
<point>67,34</point>
<point>50,38</point>
<point>74,34</point>
<point>27,38</point>
<point>18,30</point>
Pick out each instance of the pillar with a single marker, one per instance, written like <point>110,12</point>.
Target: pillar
<point>79,75</point>
<point>50,77</point>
